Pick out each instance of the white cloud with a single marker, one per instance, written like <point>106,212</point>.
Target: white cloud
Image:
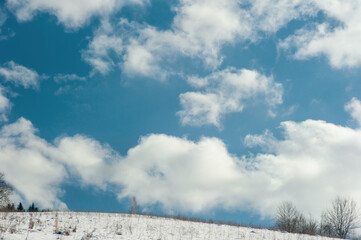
<point>101,47</point>
<point>314,162</point>
<point>20,75</point>
<point>5,105</point>
<point>224,92</point>
<point>180,174</point>
<point>339,43</point>
<point>354,108</point>
<point>72,13</point>
<point>37,168</point>
<point>29,166</point>
<point>87,159</point>
<point>268,16</point>
<point>139,60</point>
<point>199,30</point>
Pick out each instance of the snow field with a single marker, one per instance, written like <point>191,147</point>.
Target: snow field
<point>112,226</point>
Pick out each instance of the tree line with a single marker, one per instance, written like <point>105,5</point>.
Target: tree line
<point>339,220</point>
<point>10,207</point>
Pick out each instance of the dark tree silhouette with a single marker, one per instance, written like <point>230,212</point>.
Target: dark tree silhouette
<point>32,208</point>
<point>20,207</point>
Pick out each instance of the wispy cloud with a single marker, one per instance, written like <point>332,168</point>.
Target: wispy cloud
<point>61,78</point>
<point>5,105</point>
<point>20,75</point>
<point>3,17</point>
<point>105,43</point>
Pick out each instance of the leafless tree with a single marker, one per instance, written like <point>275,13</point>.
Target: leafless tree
<point>134,208</point>
<point>341,218</point>
<point>5,191</point>
<point>288,218</point>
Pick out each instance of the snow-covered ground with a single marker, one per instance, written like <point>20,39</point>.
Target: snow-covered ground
<point>75,225</point>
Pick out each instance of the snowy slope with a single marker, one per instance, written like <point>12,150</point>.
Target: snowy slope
<point>74,225</point>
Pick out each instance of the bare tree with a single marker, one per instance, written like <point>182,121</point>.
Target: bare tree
<point>288,218</point>
<point>341,218</point>
<point>134,208</point>
<point>5,191</point>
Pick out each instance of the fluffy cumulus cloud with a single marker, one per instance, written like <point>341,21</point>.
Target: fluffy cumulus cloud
<point>313,163</point>
<point>29,165</point>
<point>199,30</point>
<point>20,75</point>
<point>339,41</point>
<point>180,174</point>
<point>224,92</point>
<point>87,159</point>
<point>71,13</point>
<point>37,168</point>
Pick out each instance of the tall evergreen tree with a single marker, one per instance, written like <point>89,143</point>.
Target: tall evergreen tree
<point>20,207</point>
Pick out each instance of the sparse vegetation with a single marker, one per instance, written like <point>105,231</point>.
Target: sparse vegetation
<point>288,218</point>
<point>337,221</point>
<point>134,208</point>
<point>341,218</point>
<point>127,226</point>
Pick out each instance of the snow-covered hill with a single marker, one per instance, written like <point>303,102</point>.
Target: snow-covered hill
<point>74,225</point>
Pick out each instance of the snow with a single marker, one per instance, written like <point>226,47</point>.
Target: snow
<point>89,226</point>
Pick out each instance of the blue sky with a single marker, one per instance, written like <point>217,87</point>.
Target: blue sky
<point>217,109</point>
